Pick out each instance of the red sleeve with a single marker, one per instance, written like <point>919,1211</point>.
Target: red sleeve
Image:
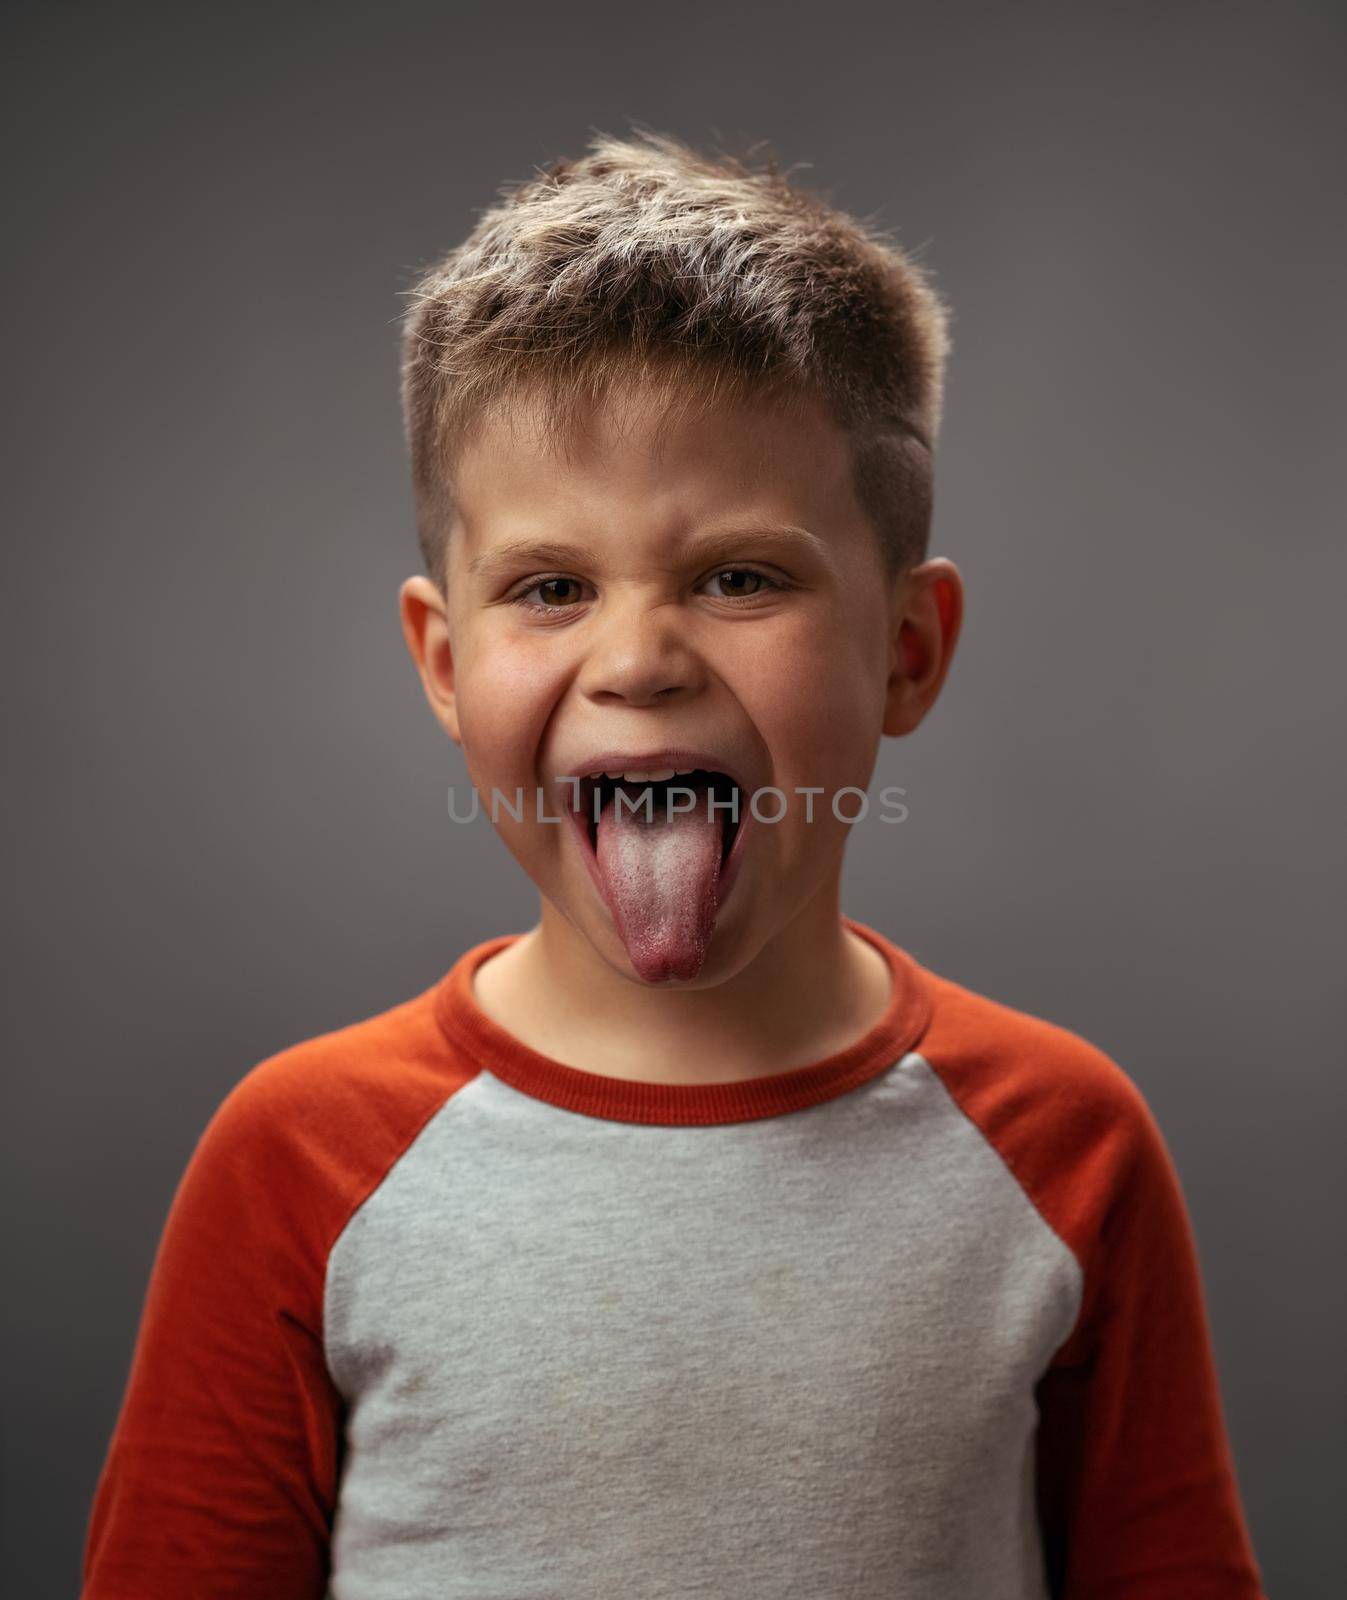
<point>221,1478</point>
<point>1137,1489</point>
<point>221,1475</point>
<point>1137,1495</point>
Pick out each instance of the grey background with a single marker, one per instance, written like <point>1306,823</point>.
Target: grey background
<point>228,798</point>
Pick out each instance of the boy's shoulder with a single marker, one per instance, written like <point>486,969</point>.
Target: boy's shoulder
<point>1067,1119</point>
<point>369,1064</point>
<point>1013,1060</point>
<point>315,1126</point>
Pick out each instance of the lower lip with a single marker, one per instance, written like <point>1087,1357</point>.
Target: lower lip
<point>729,869</point>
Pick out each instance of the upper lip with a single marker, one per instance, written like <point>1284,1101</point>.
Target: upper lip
<point>684,758</point>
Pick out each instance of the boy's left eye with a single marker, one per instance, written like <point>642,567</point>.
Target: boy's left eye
<point>738,573</point>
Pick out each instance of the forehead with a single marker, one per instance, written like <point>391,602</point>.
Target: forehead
<point>638,463</point>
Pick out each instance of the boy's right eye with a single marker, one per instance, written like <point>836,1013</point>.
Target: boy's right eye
<point>546,586</point>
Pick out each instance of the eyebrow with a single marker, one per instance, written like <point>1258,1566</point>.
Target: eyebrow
<point>715,544</point>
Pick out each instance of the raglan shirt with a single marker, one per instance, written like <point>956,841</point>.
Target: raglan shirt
<point>436,1316</point>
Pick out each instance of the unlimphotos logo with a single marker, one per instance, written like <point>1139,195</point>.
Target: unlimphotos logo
<point>770,804</point>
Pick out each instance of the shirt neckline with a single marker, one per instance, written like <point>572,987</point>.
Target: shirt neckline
<point>594,1094</point>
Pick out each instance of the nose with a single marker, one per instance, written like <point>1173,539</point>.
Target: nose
<point>640,653</point>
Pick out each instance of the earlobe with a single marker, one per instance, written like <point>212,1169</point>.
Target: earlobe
<point>425,628</point>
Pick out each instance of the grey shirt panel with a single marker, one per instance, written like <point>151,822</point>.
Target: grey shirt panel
<point>789,1356</point>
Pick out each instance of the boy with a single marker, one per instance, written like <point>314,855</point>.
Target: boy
<point>698,1241</point>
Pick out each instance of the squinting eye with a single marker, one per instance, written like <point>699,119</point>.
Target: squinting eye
<point>739,573</point>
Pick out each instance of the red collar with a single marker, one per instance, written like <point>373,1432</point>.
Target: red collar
<point>484,1042</point>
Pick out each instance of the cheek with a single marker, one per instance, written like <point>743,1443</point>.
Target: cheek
<point>505,696</point>
<point>817,700</point>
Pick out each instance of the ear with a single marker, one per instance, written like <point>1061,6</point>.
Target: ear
<point>425,627</point>
<point>927,616</point>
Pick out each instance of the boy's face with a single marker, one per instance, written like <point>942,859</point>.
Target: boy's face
<point>718,591</point>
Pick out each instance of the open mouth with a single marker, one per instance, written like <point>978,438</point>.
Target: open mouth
<point>652,800</point>
<point>663,853</point>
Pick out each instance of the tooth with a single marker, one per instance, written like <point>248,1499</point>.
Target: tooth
<point>684,772</point>
<point>661,775</point>
<point>636,777</point>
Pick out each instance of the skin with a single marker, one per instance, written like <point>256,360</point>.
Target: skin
<point>635,640</point>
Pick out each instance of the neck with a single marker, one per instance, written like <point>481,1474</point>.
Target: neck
<point>812,990</point>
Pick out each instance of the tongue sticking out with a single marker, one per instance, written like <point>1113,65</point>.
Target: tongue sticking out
<point>661,879</point>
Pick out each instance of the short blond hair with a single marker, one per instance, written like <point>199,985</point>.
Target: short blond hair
<point>703,277</point>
